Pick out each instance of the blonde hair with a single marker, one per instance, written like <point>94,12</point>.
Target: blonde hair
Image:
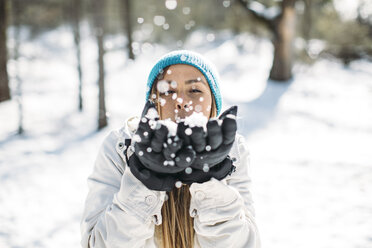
<point>177,228</point>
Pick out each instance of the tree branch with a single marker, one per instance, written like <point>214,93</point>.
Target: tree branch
<point>260,16</point>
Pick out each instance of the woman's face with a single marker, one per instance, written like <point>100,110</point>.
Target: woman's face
<point>182,91</point>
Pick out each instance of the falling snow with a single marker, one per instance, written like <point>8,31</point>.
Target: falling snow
<point>302,137</point>
<point>178,184</point>
<point>188,131</point>
<point>198,108</point>
<point>162,101</point>
<point>173,84</point>
<point>171,4</point>
<point>159,20</point>
<point>162,86</point>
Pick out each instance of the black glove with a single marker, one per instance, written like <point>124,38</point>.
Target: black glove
<point>219,171</point>
<point>152,180</point>
<point>158,152</point>
<point>213,146</point>
<point>159,160</point>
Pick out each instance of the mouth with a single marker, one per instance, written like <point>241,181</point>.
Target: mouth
<point>182,114</point>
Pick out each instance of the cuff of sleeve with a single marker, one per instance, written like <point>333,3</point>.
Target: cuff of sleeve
<point>134,197</point>
<point>213,197</point>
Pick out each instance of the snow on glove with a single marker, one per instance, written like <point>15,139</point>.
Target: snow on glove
<point>155,149</point>
<point>213,146</point>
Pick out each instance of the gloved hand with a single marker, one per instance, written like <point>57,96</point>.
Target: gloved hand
<point>155,149</point>
<point>151,179</point>
<point>219,171</point>
<point>166,182</point>
<point>160,160</point>
<point>213,146</point>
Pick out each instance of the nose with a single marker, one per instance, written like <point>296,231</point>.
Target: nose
<point>182,101</point>
<point>182,106</point>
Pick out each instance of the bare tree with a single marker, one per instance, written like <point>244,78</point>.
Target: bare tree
<point>281,21</point>
<point>4,80</point>
<point>307,19</point>
<point>16,10</point>
<point>365,19</point>
<point>126,14</point>
<point>76,9</point>
<point>98,10</point>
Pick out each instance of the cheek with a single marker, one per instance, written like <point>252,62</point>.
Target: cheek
<point>168,108</point>
<point>207,106</point>
<point>203,104</point>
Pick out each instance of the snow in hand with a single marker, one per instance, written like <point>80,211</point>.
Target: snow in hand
<point>195,119</point>
<point>171,125</point>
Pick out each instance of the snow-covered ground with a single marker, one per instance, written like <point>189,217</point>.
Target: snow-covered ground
<point>310,139</point>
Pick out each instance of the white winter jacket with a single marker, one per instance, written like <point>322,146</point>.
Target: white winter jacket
<point>122,212</point>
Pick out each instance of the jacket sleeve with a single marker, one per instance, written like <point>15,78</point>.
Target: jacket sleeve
<point>223,210</point>
<point>119,210</point>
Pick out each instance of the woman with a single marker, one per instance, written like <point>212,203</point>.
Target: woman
<point>125,208</point>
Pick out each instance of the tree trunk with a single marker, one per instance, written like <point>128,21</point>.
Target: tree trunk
<point>284,33</point>
<point>126,10</point>
<point>76,12</point>
<point>16,22</point>
<point>99,32</point>
<point>307,20</point>
<point>4,80</point>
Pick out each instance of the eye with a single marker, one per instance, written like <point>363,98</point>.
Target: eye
<point>196,91</point>
<point>169,92</point>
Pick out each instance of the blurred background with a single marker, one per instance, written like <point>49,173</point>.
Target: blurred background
<point>300,72</point>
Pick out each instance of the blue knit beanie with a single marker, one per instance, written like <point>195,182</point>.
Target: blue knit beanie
<point>189,58</point>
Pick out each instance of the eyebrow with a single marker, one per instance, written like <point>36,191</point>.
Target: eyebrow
<point>190,81</point>
<point>195,81</point>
